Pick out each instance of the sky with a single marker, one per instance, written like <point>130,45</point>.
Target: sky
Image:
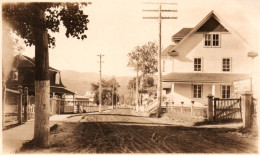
<point>116,27</point>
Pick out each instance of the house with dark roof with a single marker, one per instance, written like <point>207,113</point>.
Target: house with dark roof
<point>211,58</point>
<point>23,74</point>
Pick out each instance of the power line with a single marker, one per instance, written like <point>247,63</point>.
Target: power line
<point>160,17</point>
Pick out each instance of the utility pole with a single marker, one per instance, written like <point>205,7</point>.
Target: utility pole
<point>160,17</point>
<point>113,93</point>
<point>100,89</point>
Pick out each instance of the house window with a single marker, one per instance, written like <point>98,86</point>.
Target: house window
<point>163,65</point>
<point>197,91</point>
<point>226,91</point>
<point>212,40</point>
<point>197,64</point>
<point>215,40</point>
<point>226,64</point>
<point>207,40</point>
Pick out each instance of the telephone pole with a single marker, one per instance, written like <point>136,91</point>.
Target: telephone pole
<point>113,93</point>
<point>160,17</point>
<point>100,89</point>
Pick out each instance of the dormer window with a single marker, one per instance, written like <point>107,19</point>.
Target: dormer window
<point>212,40</point>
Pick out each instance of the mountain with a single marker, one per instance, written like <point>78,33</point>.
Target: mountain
<point>80,82</point>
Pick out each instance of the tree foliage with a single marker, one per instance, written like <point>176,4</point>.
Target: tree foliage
<point>144,57</point>
<point>148,82</point>
<point>21,17</point>
<point>107,89</point>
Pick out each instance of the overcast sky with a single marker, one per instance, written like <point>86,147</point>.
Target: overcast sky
<point>116,27</point>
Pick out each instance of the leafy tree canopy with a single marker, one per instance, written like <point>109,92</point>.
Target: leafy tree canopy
<point>21,17</point>
<point>148,82</point>
<point>144,57</point>
<point>107,88</point>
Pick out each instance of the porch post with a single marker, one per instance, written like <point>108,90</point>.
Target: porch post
<point>210,107</point>
<point>213,89</point>
<point>172,97</point>
<point>192,107</point>
<point>172,92</point>
<point>247,109</point>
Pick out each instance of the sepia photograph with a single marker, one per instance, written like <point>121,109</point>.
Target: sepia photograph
<point>130,76</point>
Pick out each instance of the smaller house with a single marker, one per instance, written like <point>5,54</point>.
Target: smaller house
<point>90,95</point>
<point>23,74</point>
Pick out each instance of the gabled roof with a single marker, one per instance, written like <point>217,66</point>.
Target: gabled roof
<point>200,24</point>
<point>182,33</point>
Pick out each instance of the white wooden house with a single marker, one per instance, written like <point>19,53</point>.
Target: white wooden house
<point>211,58</point>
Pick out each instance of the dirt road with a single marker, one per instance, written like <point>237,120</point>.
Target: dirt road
<point>122,131</point>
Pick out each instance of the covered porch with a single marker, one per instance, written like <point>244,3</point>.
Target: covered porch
<point>186,87</point>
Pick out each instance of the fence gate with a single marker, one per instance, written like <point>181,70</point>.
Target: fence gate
<point>227,109</point>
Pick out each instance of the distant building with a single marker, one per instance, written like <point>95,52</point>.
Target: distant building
<point>210,58</point>
<point>90,95</point>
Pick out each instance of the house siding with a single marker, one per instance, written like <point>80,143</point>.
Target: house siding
<point>230,47</point>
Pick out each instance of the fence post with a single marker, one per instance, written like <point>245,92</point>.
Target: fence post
<point>3,104</point>
<point>210,107</point>
<point>182,107</point>
<point>26,104</point>
<point>192,108</point>
<point>246,109</point>
<point>20,104</point>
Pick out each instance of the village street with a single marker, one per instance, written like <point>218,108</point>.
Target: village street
<point>124,131</point>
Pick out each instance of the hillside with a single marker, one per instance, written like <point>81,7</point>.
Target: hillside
<point>81,82</point>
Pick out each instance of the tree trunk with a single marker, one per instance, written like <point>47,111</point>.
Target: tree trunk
<point>42,83</point>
